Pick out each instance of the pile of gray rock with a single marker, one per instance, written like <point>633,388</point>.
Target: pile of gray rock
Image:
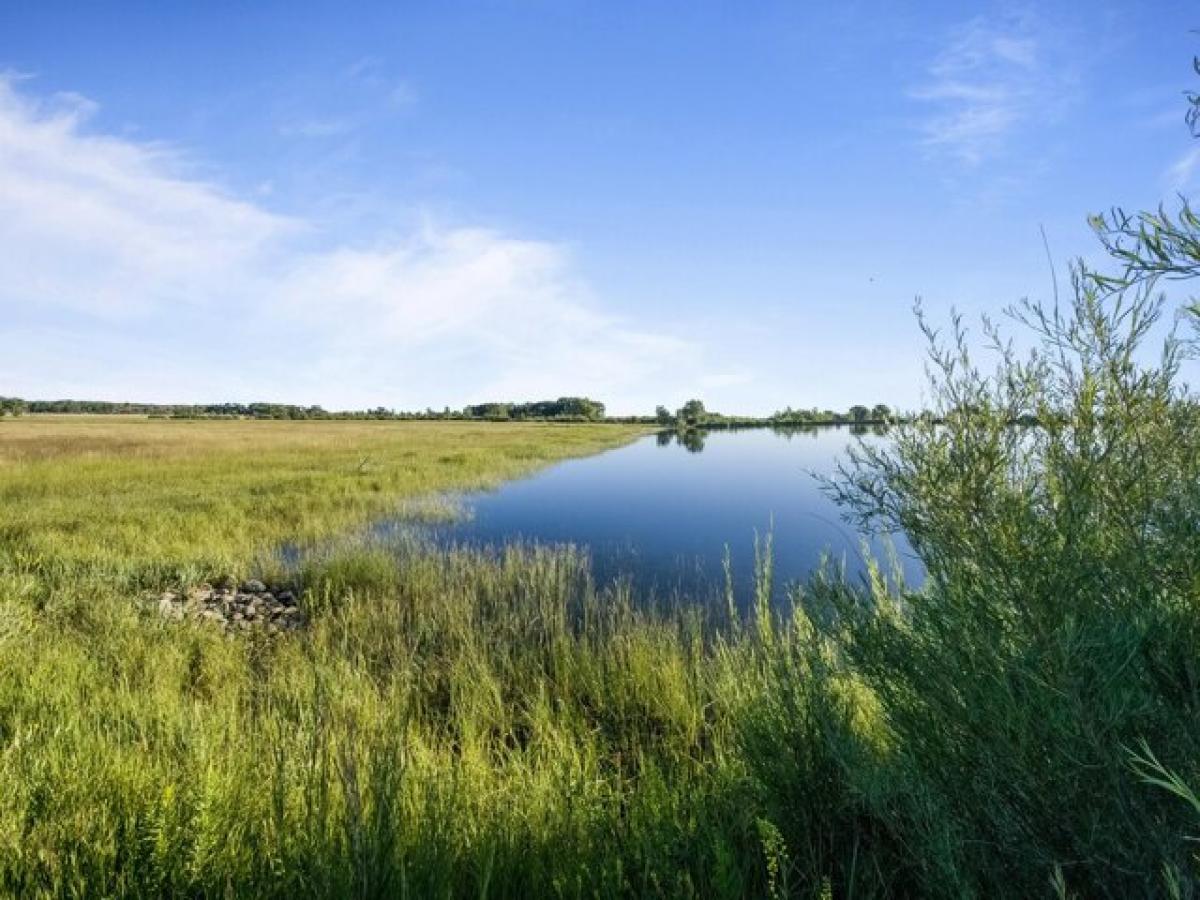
<point>235,607</point>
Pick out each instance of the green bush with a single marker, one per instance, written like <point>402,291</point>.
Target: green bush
<point>1059,624</point>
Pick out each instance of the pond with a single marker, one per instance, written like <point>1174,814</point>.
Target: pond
<point>662,510</point>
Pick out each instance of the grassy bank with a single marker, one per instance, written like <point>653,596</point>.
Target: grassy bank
<point>142,502</point>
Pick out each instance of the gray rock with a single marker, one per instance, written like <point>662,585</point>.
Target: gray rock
<point>253,607</point>
<point>169,606</point>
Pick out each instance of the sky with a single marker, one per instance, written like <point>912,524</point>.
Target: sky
<point>431,204</point>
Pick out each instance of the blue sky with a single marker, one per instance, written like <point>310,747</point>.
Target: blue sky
<point>431,204</point>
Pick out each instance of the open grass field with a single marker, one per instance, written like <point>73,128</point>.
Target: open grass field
<point>144,502</point>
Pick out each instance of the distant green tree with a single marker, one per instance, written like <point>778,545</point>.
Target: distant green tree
<point>13,406</point>
<point>859,413</point>
<point>663,415</point>
<point>692,413</point>
<point>881,412</point>
<point>562,408</point>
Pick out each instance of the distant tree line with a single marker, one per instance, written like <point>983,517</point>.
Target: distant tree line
<point>879,414</point>
<point>693,414</point>
<point>562,408</point>
<point>566,408</point>
<point>15,406</point>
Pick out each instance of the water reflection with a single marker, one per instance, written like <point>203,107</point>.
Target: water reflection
<point>693,439</point>
<point>665,519</point>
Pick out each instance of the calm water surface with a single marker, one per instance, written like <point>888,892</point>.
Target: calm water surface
<point>661,511</point>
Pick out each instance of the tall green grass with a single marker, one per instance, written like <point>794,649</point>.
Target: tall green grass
<point>460,724</point>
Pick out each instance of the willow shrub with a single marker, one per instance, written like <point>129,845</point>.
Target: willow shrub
<point>1055,502</point>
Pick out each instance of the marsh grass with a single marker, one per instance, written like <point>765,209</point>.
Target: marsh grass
<point>147,502</point>
<point>471,722</point>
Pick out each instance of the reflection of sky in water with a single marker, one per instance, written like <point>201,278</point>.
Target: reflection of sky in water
<point>663,512</point>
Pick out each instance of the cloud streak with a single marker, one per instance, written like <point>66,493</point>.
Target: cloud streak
<point>1181,174</point>
<point>990,80</point>
<point>128,277</point>
<point>106,226</point>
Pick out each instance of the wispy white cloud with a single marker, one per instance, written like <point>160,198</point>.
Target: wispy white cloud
<point>361,94</point>
<point>1171,117</point>
<point>316,128</point>
<point>1182,174</point>
<point>991,79</point>
<point>365,68</point>
<point>106,226</point>
<point>371,72</point>
<point>402,95</point>
<point>126,277</point>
